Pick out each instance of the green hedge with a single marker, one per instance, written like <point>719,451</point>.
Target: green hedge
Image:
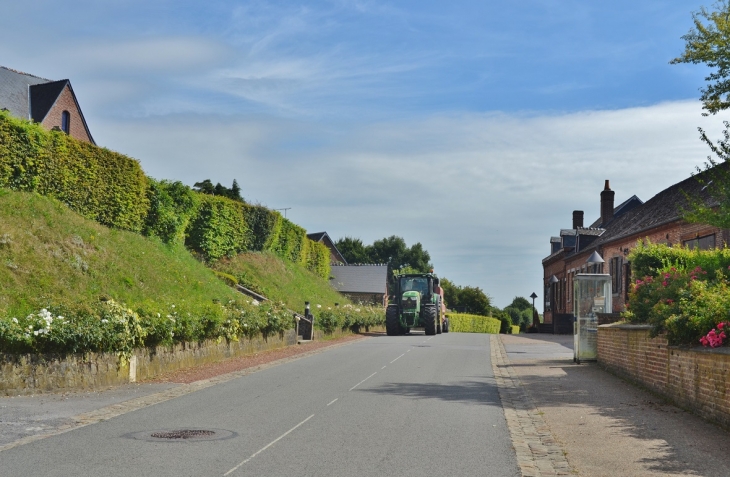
<point>347,317</point>
<point>464,323</point>
<point>112,189</point>
<point>514,330</point>
<point>99,184</point>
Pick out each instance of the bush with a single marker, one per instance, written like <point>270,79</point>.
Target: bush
<point>686,293</point>
<point>172,205</point>
<point>464,323</point>
<point>99,184</point>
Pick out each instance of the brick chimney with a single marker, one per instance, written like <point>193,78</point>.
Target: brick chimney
<point>577,219</point>
<point>606,204</point>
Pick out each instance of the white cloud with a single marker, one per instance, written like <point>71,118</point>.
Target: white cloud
<point>482,192</point>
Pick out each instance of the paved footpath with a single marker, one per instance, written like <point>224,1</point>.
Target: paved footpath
<point>580,420</point>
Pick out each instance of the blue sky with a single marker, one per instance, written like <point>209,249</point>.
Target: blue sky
<point>473,127</point>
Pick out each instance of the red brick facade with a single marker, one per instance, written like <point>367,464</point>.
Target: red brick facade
<point>658,220</point>
<point>697,379</point>
<point>67,102</point>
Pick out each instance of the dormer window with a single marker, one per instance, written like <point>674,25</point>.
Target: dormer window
<point>65,122</point>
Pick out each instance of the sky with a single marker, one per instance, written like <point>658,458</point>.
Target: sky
<point>472,127</point>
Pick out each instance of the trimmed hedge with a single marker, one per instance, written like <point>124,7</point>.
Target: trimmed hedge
<point>464,323</point>
<point>112,189</point>
<point>99,184</point>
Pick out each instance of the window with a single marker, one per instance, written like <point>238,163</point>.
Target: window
<point>703,243</point>
<point>627,282</point>
<point>614,266</point>
<point>65,122</point>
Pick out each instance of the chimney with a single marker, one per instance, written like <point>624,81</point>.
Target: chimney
<point>577,219</point>
<point>606,204</point>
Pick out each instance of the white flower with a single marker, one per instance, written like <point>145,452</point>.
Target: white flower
<point>172,306</point>
<point>357,310</point>
<point>245,325</point>
<point>319,306</point>
<point>35,332</point>
<point>158,315</point>
<point>15,320</point>
<point>255,302</point>
<point>105,321</point>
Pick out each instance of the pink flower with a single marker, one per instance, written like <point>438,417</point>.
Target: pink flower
<point>669,301</point>
<point>720,326</point>
<point>665,283</point>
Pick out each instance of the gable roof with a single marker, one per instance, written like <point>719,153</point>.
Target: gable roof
<point>625,206</point>
<point>31,97</point>
<point>324,238</point>
<point>360,278</point>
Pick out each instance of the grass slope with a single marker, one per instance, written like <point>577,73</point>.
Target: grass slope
<point>280,281</point>
<point>51,256</point>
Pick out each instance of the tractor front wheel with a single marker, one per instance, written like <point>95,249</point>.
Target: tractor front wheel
<point>392,327</point>
<point>430,313</point>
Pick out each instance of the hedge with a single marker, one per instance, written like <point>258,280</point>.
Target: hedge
<point>464,323</point>
<point>112,189</point>
<point>99,184</point>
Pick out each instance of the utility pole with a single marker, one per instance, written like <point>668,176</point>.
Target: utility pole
<point>284,209</point>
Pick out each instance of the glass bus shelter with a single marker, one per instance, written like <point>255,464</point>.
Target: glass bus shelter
<point>592,295</point>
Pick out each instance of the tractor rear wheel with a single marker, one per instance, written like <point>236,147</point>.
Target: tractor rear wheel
<point>392,327</point>
<point>430,313</point>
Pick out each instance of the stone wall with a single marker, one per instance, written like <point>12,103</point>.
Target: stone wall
<point>33,374</point>
<point>696,379</point>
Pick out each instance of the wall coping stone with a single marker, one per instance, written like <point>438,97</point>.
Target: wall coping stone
<point>626,326</point>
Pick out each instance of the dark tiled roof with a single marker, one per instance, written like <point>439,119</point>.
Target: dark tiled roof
<point>665,207</point>
<point>14,91</point>
<point>316,236</point>
<point>360,278</point>
<point>324,238</point>
<point>625,206</point>
<point>43,97</point>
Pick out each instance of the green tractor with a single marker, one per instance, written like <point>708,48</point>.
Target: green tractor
<point>418,302</point>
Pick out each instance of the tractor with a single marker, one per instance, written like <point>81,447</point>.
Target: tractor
<point>418,302</point>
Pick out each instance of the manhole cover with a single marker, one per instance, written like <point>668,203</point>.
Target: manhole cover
<point>182,435</point>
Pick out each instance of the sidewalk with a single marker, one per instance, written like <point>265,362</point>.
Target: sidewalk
<point>603,425</point>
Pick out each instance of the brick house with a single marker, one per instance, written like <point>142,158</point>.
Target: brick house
<point>336,257</point>
<point>613,235</point>
<point>50,103</point>
<point>367,284</point>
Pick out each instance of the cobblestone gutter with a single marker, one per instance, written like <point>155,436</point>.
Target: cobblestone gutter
<point>538,454</point>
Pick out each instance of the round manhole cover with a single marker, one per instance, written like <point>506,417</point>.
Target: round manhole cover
<point>182,435</point>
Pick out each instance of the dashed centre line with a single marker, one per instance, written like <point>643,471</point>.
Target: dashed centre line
<point>268,445</point>
<point>363,380</point>
<point>396,359</point>
<point>333,401</point>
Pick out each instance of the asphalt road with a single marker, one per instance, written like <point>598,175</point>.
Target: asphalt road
<point>396,406</point>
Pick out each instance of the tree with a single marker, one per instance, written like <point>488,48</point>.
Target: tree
<point>475,299</point>
<point>451,293</point>
<point>715,178</point>
<point>709,44</point>
<point>521,304</point>
<point>206,187</point>
<point>235,192</point>
<point>353,250</point>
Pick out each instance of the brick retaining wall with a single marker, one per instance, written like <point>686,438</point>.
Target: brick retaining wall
<point>34,374</point>
<point>695,379</point>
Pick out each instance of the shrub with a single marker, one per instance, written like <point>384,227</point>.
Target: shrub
<point>464,323</point>
<point>99,184</point>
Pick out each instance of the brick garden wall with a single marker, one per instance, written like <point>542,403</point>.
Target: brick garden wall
<point>696,379</point>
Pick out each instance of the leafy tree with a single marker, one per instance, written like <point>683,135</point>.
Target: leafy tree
<point>521,303</point>
<point>475,299</point>
<point>708,42</point>
<point>353,250</point>
<point>451,293</point>
<point>206,187</point>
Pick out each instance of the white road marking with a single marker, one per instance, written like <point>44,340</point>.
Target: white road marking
<point>396,359</point>
<point>269,445</point>
<point>383,367</point>
<point>363,380</point>
<point>333,401</point>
